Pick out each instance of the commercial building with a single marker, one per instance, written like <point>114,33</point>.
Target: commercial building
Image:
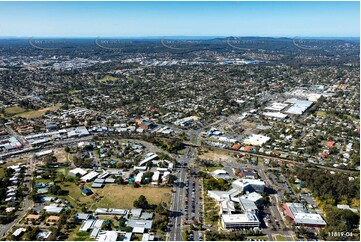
<point>275,106</point>
<point>276,115</point>
<point>77,171</point>
<point>111,211</point>
<point>301,216</point>
<point>256,139</point>
<point>90,176</point>
<point>221,174</point>
<point>243,216</point>
<point>78,132</point>
<point>148,157</point>
<point>140,223</point>
<point>232,218</point>
<point>44,153</point>
<point>107,236</point>
<point>10,144</point>
<point>239,221</point>
<point>249,185</point>
<point>298,106</point>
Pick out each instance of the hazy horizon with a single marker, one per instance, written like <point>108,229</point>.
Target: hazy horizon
<point>160,19</point>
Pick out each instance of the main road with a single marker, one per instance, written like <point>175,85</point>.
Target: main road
<point>178,199</point>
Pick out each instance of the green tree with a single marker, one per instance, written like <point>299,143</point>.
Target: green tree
<point>141,202</point>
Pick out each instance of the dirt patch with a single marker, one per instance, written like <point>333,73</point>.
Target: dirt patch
<point>206,154</point>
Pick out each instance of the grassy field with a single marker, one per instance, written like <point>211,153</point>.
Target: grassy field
<point>2,172</point>
<point>212,169</point>
<point>77,100</point>
<point>280,238</point>
<point>108,78</point>
<point>37,113</point>
<point>321,114</point>
<point>14,110</point>
<point>76,235</point>
<point>124,196</point>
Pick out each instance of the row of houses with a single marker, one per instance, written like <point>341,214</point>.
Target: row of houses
<point>12,189</point>
<point>137,219</point>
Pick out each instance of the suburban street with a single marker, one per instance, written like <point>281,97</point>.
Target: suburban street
<point>27,203</point>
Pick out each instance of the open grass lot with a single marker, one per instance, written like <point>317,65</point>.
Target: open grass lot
<point>120,196</point>
<point>14,110</point>
<point>37,113</point>
<point>116,196</point>
<point>75,194</point>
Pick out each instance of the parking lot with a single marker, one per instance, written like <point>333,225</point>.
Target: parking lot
<point>193,210</point>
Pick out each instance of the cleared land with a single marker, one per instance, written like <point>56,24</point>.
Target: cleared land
<point>124,196</point>
<point>37,113</point>
<point>206,154</point>
<point>61,155</point>
<point>248,125</point>
<point>14,110</point>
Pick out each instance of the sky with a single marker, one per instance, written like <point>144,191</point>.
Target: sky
<point>165,19</point>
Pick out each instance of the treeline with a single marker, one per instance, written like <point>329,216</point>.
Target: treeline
<point>342,225</point>
<point>172,145</point>
<point>233,236</point>
<point>211,183</point>
<point>332,188</point>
